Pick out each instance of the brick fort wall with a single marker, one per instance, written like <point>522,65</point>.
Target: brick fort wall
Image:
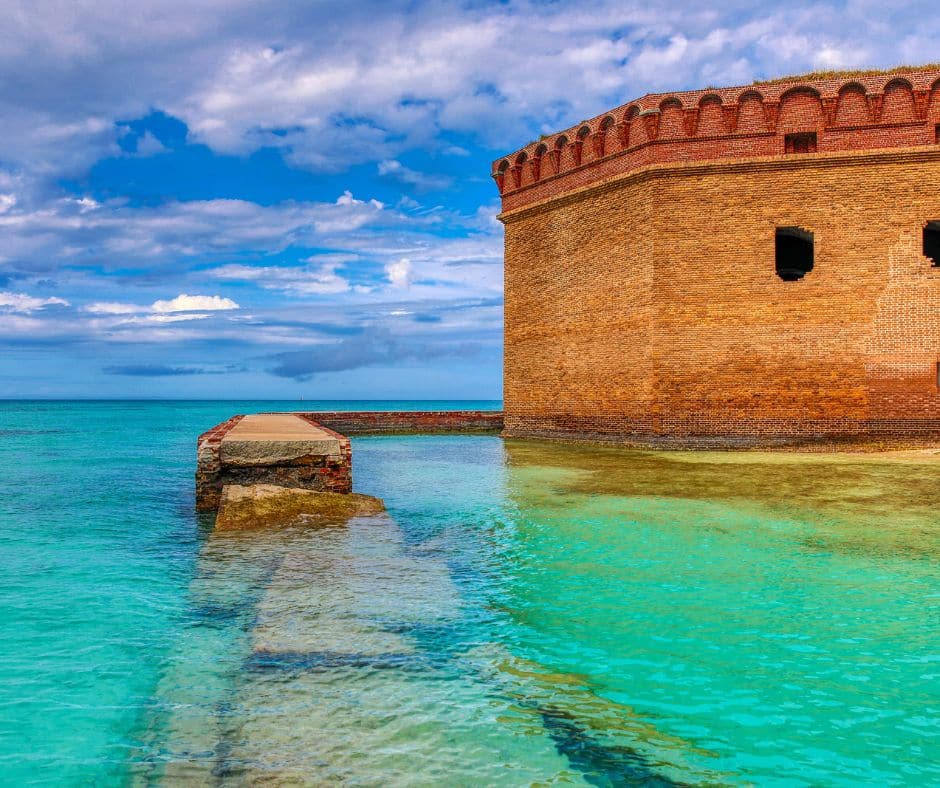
<point>643,302</point>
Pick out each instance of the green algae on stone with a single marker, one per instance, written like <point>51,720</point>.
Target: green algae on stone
<point>871,503</point>
<point>267,505</point>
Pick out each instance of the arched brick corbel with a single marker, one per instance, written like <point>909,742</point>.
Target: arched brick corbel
<point>921,104</point>
<point>536,168</point>
<point>578,150</point>
<point>516,172</point>
<point>771,114</point>
<point>576,147</point>
<point>875,105</point>
<point>830,107</point>
<point>730,113</point>
<point>651,121</point>
<point>690,121</point>
<point>555,154</point>
<point>536,165</point>
<point>599,138</point>
<point>500,175</point>
<point>623,134</point>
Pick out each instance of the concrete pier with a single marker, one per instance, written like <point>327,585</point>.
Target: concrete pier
<point>275,439</point>
<point>282,449</point>
<point>306,450</point>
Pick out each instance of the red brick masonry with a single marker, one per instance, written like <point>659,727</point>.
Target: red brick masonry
<point>324,473</point>
<point>642,298</point>
<point>209,464</point>
<point>859,113</point>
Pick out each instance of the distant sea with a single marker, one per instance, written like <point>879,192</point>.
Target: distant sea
<point>526,613</point>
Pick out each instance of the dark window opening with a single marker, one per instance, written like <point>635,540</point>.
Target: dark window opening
<point>932,242</point>
<point>804,142</point>
<point>794,253</point>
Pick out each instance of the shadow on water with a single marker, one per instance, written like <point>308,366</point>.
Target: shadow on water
<point>606,765</point>
<point>290,662</point>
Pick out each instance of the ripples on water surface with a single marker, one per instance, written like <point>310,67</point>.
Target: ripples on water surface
<point>525,614</point>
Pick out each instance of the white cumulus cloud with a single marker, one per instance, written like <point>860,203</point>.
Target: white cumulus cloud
<point>24,304</point>
<point>165,311</point>
<point>194,303</point>
<point>399,272</point>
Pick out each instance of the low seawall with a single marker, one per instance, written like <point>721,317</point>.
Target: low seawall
<point>405,422</point>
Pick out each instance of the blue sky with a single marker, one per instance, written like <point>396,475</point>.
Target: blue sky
<point>276,199</point>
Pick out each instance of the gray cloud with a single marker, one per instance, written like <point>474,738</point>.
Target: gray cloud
<point>370,348</point>
<point>419,181</point>
<point>166,370</point>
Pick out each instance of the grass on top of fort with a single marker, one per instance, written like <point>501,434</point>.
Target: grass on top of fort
<point>813,76</point>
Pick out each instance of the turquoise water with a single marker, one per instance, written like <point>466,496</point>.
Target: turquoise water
<point>524,614</point>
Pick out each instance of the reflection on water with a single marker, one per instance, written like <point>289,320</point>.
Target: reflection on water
<point>536,614</point>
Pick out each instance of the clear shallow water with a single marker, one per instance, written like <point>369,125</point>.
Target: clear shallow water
<point>525,614</point>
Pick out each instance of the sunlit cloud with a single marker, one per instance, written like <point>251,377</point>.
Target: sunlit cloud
<point>182,303</point>
<point>400,272</point>
<point>193,303</point>
<point>25,304</point>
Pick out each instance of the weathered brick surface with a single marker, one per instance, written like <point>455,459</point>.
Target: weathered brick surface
<point>208,464</point>
<point>645,305</point>
<point>323,473</point>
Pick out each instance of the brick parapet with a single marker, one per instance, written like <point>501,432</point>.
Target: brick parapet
<point>875,111</point>
<point>755,166</point>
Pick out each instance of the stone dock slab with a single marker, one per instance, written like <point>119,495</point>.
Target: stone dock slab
<point>275,439</point>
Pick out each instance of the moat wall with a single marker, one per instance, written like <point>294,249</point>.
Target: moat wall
<point>398,422</point>
<point>647,306</point>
